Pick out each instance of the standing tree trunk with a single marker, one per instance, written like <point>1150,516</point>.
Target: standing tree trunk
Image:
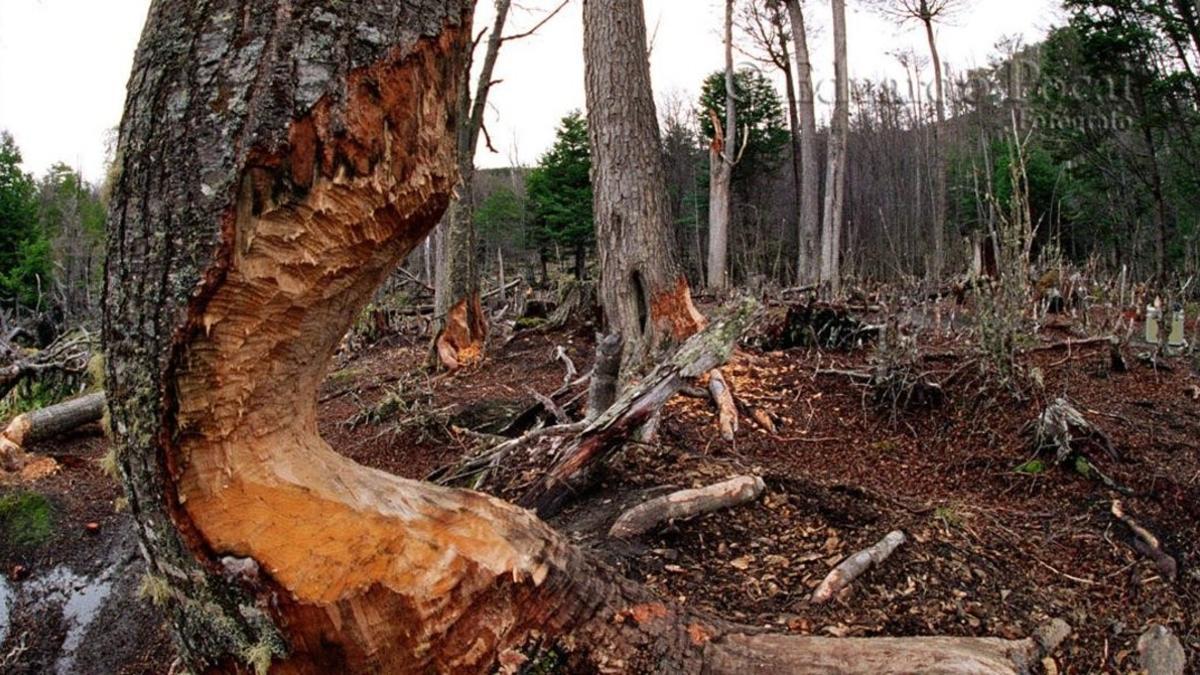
<point>808,266</point>
<point>722,156</point>
<point>276,161</point>
<point>835,179</point>
<point>460,322</point>
<point>937,263</point>
<point>643,291</point>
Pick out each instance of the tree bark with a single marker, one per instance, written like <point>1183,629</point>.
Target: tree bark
<point>276,160</point>
<point>722,156</point>
<point>808,266</point>
<point>643,291</point>
<point>835,180</point>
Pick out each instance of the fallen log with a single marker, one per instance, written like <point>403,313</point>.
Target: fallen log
<point>853,567</point>
<point>751,654</point>
<point>686,504</point>
<point>1146,543</point>
<point>575,464</point>
<point>727,414</point>
<point>43,424</point>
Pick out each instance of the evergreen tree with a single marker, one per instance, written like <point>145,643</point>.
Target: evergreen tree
<point>560,193</point>
<point>759,110</point>
<point>24,246</point>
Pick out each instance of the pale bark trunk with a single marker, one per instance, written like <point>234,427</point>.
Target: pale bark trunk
<point>835,180</point>
<point>722,156</point>
<point>808,266</point>
<point>276,161</point>
<point>937,261</point>
<point>644,294</point>
<point>686,504</point>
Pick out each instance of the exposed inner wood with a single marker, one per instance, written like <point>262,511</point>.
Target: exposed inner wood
<point>376,570</point>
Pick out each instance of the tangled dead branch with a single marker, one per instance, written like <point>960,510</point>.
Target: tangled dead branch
<point>69,354</point>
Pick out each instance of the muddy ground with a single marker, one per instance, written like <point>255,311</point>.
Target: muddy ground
<point>991,551</point>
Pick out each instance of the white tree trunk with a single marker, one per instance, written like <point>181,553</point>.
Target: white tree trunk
<point>835,181</point>
<point>722,156</point>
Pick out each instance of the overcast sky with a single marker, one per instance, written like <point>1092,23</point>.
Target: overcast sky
<point>64,64</point>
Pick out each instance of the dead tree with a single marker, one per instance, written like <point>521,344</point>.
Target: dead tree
<point>643,291</point>
<point>722,157</point>
<point>276,161</point>
<point>461,324</point>
<point>69,354</point>
<point>835,175</point>
<point>575,465</point>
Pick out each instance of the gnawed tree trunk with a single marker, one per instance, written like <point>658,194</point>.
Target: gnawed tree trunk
<point>808,269</point>
<point>835,176</point>
<point>276,160</point>
<point>53,420</point>
<point>727,413</point>
<point>460,323</point>
<point>643,291</point>
<point>721,159</point>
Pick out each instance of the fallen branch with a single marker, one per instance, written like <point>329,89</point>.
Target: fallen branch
<point>886,656</point>
<point>574,466</point>
<point>686,504</point>
<point>727,415</point>
<point>1070,344</point>
<point>1146,543</point>
<point>560,354</point>
<point>853,567</point>
<point>548,403</point>
<point>761,417</point>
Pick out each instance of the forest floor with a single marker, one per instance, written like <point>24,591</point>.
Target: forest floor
<point>991,551</point>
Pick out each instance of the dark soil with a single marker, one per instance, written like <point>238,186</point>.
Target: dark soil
<point>991,552</point>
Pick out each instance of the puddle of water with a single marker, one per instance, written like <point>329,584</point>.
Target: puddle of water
<point>79,598</point>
